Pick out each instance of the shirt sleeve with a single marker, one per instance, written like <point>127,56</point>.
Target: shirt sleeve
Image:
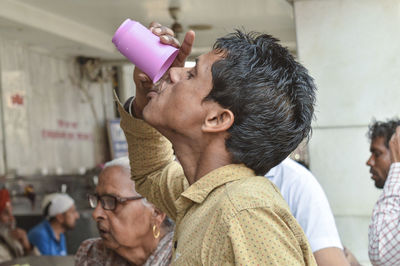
<point>311,208</point>
<point>258,236</point>
<point>40,241</point>
<point>384,230</point>
<point>157,176</point>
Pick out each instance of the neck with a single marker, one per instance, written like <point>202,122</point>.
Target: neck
<point>139,255</point>
<point>58,229</point>
<point>197,161</point>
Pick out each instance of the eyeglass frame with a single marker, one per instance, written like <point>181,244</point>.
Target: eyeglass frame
<point>118,200</point>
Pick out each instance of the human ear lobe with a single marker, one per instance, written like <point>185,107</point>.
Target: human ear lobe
<point>60,218</point>
<point>159,216</point>
<point>218,120</point>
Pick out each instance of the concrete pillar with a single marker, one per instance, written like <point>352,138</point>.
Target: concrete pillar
<point>351,49</point>
<point>126,85</point>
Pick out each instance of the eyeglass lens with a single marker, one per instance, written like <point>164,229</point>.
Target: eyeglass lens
<point>107,202</point>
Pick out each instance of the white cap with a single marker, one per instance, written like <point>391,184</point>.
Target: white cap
<point>59,203</point>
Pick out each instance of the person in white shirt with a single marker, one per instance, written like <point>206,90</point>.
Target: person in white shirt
<point>309,205</point>
<point>384,230</point>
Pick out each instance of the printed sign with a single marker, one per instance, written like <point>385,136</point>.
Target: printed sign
<point>118,144</point>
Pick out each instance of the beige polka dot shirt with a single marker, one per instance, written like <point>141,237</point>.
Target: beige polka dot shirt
<point>230,216</point>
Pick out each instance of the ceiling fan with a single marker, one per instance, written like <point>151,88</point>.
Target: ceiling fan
<point>177,26</point>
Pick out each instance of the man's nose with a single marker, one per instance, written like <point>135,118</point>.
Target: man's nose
<point>370,161</point>
<point>175,74</point>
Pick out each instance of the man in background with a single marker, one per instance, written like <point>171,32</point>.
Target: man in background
<point>61,215</point>
<point>14,242</point>
<point>379,162</point>
<point>384,230</point>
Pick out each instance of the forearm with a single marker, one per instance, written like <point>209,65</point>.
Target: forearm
<point>330,256</point>
<point>149,151</point>
<point>385,223</point>
<point>156,175</point>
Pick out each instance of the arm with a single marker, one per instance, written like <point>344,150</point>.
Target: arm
<point>309,204</point>
<point>385,224</point>
<point>315,217</point>
<point>331,256</point>
<point>157,176</point>
<point>20,235</point>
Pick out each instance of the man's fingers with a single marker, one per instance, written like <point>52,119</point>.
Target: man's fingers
<point>162,30</point>
<point>154,24</point>
<point>143,77</point>
<point>185,49</point>
<point>167,39</point>
<point>187,44</point>
<point>394,146</point>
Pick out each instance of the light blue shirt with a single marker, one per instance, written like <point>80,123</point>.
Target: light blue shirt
<point>42,236</point>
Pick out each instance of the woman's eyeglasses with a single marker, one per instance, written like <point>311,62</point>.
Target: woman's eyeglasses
<point>108,202</point>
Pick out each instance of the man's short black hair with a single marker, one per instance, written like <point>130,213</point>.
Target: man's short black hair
<point>271,95</point>
<point>383,129</point>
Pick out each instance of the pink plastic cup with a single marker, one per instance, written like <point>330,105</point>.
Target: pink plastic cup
<point>144,49</point>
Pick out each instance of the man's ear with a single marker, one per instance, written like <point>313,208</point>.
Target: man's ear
<point>218,120</point>
<point>60,218</point>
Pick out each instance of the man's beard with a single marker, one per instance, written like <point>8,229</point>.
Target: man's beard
<point>67,227</point>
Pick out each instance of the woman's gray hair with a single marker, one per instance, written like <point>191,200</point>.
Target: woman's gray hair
<point>123,162</point>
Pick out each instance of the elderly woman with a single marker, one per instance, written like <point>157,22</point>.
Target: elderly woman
<point>132,231</point>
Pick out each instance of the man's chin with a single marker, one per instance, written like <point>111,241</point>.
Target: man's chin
<point>148,116</point>
<point>379,184</point>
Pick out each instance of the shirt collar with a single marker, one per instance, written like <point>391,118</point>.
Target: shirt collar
<point>198,191</point>
<point>50,230</point>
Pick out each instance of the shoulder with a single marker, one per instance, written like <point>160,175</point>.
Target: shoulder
<point>93,252</point>
<point>90,247</point>
<point>38,231</point>
<point>294,179</point>
<point>253,193</point>
<point>89,244</point>
<point>292,171</point>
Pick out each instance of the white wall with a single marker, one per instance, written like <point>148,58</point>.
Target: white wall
<point>351,49</point>
<point>56,122</point>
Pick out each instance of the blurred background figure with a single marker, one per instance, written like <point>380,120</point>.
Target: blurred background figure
<point>384,230</point>
<point>379,134</point>
<point>14,242</point>
<point>60,216</point>
<point>132,231</point>
<point>309,205</point>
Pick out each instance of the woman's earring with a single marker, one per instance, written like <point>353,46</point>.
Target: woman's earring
<point>156,234</point>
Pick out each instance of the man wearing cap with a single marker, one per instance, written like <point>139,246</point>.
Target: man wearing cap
<point>14,242</point>
<point>61,215</point>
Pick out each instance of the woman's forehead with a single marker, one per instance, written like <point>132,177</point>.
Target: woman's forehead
<point>115,180</point>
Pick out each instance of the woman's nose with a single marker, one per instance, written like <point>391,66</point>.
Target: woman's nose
<point>98,212</point>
